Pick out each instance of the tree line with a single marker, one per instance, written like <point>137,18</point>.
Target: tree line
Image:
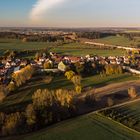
<point>47,107</point>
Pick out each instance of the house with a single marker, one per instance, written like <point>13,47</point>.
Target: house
<point>126,60</point>
<point>62,67</point>
<point>17,69</point>
<point>73,59</point>
<point>8,65</point>
<point>23,63</point>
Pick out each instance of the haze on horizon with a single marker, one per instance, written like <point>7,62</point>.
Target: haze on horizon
<point>70,13</point>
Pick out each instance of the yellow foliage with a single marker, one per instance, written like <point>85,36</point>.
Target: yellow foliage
<point>78,89</point>
<point>69,74</point>
<point>24,75</point>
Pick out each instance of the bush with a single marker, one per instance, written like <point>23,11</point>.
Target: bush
<point>132,92</point>
<point>110,102</point>
<point>90,99</point>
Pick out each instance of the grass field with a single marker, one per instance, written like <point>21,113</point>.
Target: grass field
<point>13,44</point>
<point>118,40</point>
<point>86,127</point>
<point>83,52</point>
<point>76,49</point>
<point>24,94</point>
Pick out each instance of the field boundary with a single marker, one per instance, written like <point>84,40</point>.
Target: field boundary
<point>131,129</point>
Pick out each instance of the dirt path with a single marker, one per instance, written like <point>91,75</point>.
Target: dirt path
<point>113,88</point>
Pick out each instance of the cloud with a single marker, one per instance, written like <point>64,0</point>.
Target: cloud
<point>41,7</point>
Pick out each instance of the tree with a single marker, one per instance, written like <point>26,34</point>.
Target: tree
<point>11,86</point>
<point>2,118</point>
<point>113,69</point>
<point>76,80</point>
<point>69,74</point>
<point>24,75</point>
<point>30,115</point>
<point>78,89</point>
<point>47,65</point>
<point>3,93</point>
<point>24,40</point>
<point>38,55</point>
<point>132,92</point>
<point>12,124</point>
<point>52,105</point>
<point>79,67</point>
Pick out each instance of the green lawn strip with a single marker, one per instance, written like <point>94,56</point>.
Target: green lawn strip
<point>97,80</point>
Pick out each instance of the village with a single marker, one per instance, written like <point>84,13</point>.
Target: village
<point>56,63</point>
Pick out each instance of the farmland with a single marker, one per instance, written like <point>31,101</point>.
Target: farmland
<point>118,40</point>
<point>75,49</point>
<point>91,126</point>
<point>126,114</point>
<point>69,71</point>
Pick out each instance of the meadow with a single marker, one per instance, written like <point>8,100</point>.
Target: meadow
<point>91,126</point>
<point>76,49</point>
<point>23,95</point>
<point>119,40</point>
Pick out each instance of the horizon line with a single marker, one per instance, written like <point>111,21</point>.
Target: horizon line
<point>121,27</point>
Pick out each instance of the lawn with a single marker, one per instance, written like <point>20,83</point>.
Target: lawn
<point>98,81</point>
<point>23,96</point>
<point>87,127</point>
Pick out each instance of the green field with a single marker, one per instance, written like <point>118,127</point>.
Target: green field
<point>132,110</point>
<point>129,112</point>
<point>118,40</point>
<point>86,127</point>
<point>23,96</point>
<point>76,49</point>
<point>13,44</point>
<point>83,52</point>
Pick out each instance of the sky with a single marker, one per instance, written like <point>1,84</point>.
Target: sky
<point>70,13</point>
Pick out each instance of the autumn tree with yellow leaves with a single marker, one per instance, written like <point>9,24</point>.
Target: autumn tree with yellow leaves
<point>23,75</point>
<point>76,79</point>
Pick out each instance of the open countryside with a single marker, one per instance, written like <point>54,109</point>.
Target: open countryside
<point>69,70</point>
